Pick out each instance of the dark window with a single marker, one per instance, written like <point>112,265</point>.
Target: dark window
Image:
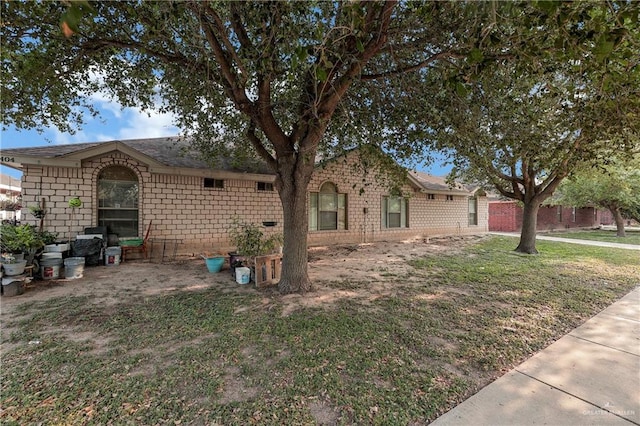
<point>265,186</point>
<point>431,196</point>
<point>213,183</point>
<point>449,197</point>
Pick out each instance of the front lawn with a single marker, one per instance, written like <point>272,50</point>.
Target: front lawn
<point>632,237</point>
<point>403,355</point>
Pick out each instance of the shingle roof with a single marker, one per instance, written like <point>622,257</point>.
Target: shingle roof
<point>437,183</point>
<point>169,151</point>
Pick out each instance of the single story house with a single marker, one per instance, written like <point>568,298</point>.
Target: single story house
<point>506,216</point>
<point>127,185</point>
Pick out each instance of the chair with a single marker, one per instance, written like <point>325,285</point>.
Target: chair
<point>141,248</point>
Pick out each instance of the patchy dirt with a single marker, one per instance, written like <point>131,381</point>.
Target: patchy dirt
<point>372,263</point>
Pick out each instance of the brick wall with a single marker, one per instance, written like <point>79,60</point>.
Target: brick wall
<point>426,217</point>
<point>181,208</point>
<point>506,216</point>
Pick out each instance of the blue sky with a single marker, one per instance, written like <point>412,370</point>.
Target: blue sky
<point>116,123</point>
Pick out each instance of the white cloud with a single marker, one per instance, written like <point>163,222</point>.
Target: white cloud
<point>129,123</point>
<point>146,124</point>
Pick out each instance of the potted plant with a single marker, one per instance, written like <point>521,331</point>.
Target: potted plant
<point>250,242</point>
<point>11,265</point>
<point>9,241</point>
<point>19,242</point>
<point>22,239</point>
<point>37,211</point>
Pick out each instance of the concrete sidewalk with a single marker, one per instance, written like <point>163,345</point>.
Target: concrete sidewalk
<point>591,376</point>
<point>574,241</point>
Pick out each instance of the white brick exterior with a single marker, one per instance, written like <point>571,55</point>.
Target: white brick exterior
<point>181,208</point>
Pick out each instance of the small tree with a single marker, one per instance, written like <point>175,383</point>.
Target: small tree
<point>615,187</point>
<point>250,241</point>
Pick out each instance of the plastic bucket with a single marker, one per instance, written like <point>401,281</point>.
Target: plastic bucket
<point>17,268</point>
<point>50,268</point>
<point>52,255</point>
<point>243,275</point>
<point>214,264</point>
<point>73,267</point>
<point>112,256</point>
<point>56,247</point>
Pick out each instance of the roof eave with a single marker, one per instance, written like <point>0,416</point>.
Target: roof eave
<point>19,161</point>
<point>107,147</point>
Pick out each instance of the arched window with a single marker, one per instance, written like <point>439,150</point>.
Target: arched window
<point>118,201</point>
<point>327,209</point>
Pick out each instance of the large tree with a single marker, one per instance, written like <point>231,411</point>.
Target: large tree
<point>615,187</point>
<point>565,91</point>
<point>262,77</point>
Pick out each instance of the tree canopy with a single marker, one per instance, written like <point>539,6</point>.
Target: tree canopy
<point>566,92</point>
<point>615,187</point>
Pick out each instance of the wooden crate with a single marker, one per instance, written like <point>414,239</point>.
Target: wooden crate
<point>268,270</point>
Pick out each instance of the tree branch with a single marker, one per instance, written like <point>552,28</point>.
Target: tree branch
<point>234,88</point>
<point>433,58</point>
<point>259,146</point>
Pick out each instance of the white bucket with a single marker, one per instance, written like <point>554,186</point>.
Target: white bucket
<point>243,275</point>
<point>56,247</point>
<point>17,268</point>
<point>73,267</point>
<point>52,255</point>
<point>112,256</point>
<point>50,268</point>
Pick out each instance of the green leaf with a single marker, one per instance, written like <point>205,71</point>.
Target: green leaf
<point>461,90</point>
<point>548,6</point>
<point>476,55</point>
<point>603,48</point>
<point>321,74</point>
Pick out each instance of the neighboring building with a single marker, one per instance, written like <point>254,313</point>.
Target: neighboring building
<point>9,198</point>
<point>126,185</point>
<point>506,216</point>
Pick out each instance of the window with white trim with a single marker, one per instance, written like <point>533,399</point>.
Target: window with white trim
<point>327,209</point>
<point>395,212</point>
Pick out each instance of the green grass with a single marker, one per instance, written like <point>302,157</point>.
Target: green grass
<point>454,324</point>
<point>632,237</point>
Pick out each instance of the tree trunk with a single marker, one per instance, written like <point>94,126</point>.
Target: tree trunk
<point>293,195</point>
<point>617,216</point>
<point>529,225</point>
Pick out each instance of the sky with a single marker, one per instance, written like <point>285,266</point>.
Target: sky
<point>116,123</point>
